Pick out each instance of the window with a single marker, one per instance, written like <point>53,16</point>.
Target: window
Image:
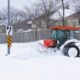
<point>53,35</point>
<point>79,22</point>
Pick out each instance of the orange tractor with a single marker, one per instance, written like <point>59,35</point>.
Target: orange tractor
<point>62,38</point>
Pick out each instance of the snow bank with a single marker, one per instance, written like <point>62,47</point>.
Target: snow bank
<point>26,62</point>
<point>27,50</point>
<point>47,68</point>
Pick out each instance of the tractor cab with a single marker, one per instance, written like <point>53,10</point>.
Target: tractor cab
<point>59,35</point>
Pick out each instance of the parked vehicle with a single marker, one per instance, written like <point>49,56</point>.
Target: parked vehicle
<point>62,38</point>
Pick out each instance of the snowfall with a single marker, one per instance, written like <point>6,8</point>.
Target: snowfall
<point>32,61</point>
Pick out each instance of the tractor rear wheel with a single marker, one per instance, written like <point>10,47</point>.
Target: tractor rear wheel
<point>71,51</point>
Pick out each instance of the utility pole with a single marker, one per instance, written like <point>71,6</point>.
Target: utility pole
<point>9,30</point>
<point>8,12</point>
<point>63,20</point>
<point>8,51</point>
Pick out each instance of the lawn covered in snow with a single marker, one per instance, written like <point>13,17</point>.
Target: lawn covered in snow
<point>31,61</point>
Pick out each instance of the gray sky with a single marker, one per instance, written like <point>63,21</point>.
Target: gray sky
<point>19,4</point>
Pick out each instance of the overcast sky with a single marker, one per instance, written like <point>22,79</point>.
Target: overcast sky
<point>19,4</point>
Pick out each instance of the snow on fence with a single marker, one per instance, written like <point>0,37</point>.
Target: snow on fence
<point>27,36</point>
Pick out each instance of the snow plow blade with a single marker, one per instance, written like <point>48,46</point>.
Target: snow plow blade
<point>50,43</point>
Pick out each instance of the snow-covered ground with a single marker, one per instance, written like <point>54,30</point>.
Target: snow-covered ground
<point>30,61</point>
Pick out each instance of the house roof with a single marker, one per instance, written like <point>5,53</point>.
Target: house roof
<point>22,25</point>
<point>53,12</point>
<point>58,14</point>
<point>44,16</point>
<point>74,16</point>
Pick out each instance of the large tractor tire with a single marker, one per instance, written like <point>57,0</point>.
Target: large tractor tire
<point>71,51</point>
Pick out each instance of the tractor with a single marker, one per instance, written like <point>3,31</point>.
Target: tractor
<point>62,37</point>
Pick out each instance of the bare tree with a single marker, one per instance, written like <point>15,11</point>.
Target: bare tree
<point>15,15</point>
<point>3,14</point>
<point>32,12</point>
<point>43,7</point>
<point>64,5</point>
<point>48,7</point>
<point>63,12</point>
<point>77,6</point>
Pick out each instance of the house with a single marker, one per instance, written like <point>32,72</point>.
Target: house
<point>74,19</point>
<point>43,21</point>
<point>22,26</point>
<point>58,16</point>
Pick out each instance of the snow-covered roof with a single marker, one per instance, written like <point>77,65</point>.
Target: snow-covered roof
<point>59,14</point>
<point>29,22</point>
<point>2,23</point>
<point>29,30</point>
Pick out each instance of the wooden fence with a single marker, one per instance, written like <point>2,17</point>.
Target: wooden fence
<point>27,36</point>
